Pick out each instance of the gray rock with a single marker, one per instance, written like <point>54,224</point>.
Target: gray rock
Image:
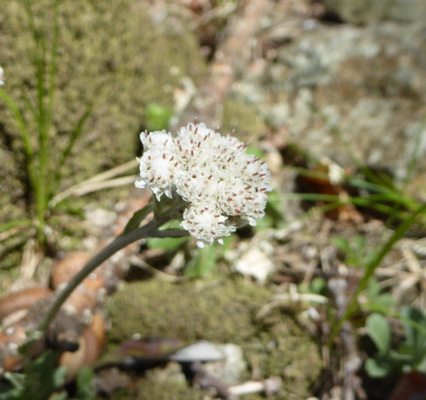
<point>229,370</point>
<point>368,84</point>
<point>372,11</point>
<point>198,352</point>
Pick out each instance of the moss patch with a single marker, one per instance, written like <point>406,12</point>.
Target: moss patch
<point>167,384</point>
<point>222,311</point>
<point>284,349</point>
<point>219,311</point>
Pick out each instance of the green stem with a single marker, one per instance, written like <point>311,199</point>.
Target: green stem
<point>148,230</point>
<point>41,184</point>
<point>353,306</point>
<point>50,99</point>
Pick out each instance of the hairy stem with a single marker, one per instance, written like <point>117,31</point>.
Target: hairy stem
<point>148,230</point>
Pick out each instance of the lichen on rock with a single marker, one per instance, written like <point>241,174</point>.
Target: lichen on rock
<point>373,11</point>
<point>362,88</point>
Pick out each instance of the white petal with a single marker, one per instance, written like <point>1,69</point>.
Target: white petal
<point>140,184</point>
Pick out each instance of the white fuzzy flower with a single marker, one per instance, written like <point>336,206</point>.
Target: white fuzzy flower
<point>1,76</point>
<point>223,185</point>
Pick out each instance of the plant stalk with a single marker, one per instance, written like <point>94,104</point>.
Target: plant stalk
<point>121,241</point>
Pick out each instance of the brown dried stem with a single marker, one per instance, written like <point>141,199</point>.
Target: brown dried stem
<point>232,55</point>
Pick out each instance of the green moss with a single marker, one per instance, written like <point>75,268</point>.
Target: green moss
<point>285,350</point>
<point>245,119</point>
<point>167,384</point>
<point>222,311</point>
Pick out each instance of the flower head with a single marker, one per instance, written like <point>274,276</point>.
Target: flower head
<point>1,76</point>
<point>224,186</point>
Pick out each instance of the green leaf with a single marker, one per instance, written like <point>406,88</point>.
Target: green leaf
<point>59,396</point>
<point>42,377</point>
<point>137,218</point>
<point>85,386</point>
<point>158,116</point>
<point>378,301</point>
<point>421,367</point>
<point>202,263</point>
<point>385,300</point>
<point>377,368</point>
<point>19,120</point>
<point>254,150</point>
<point>360,242</point>
<point>273,217</point>
<point>71,209</point>
<point>317,286</point>
<point>414,337</point>
<point>173,224</point>
<point>228,244</point>
<point>15,223</point>
<point>17,380</point>
<point>74,136</point>
<point>404,355</point>
<point>373,290</point>
<point>341,243</point>
<point>273,212</point>
<point>58,376</point>
<point>379,331</point>
<point>166,244</point>
<point>264,223</point>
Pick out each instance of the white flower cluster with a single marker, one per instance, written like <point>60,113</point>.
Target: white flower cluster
<point>224,186</point>
<point>1,76</point>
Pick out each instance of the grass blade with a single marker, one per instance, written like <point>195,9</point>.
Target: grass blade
<point>19,119</point>
<point>14,224</point>
<point>372,266</point>
<point>25,137</point>
<point>75,134</point>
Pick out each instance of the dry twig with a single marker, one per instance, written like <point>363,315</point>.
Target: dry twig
<point>232,55</point>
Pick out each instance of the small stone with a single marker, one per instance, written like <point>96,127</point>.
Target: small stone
<point>256,263</point>
<point>231,368</point>
<point>202,351</point>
